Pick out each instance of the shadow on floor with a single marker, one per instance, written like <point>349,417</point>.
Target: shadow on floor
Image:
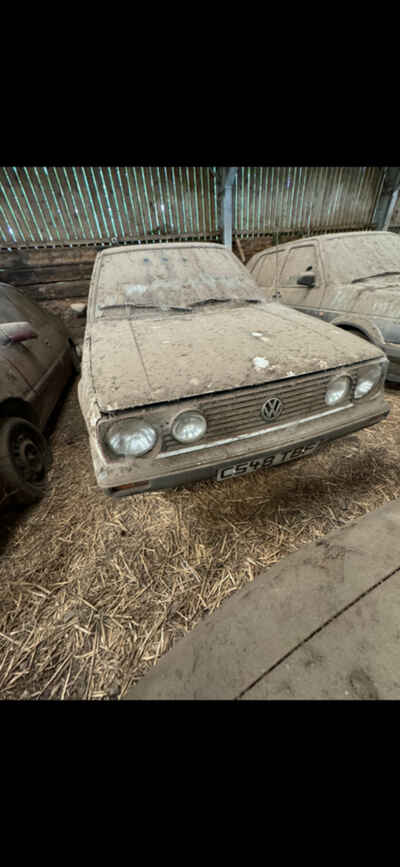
<point>11,514</point>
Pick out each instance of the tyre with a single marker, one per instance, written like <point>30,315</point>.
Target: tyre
<point>25,457</point>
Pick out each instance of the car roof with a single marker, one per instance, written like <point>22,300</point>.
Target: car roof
<point>322,237</point>
<point>132,248</point>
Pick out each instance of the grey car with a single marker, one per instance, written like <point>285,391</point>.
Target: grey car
<point>189,373</point>
<point>350,279</point>
<point>37,357</point>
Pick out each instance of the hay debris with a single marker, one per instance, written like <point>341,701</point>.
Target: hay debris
<point>94,591</point>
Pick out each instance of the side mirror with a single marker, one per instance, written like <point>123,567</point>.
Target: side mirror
<point>307,279</point>
<point>16,332</point>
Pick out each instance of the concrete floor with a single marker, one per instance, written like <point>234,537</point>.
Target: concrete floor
<point>324,623</point>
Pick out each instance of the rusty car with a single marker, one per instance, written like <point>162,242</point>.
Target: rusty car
<point>350,279</point>
<point>37,358</point>
<point>189,373</point>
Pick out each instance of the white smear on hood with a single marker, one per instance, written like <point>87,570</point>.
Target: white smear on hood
<point>260,363</point>
<point>135,289</point>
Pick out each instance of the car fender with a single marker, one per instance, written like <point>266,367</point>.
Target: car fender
<point>365,326</point>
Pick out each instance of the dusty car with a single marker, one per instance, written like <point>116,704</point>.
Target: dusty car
<point>350,279</point>
<point>188,372</point>
<point>37,357</point>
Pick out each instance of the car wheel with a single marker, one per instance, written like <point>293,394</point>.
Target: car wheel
<point>25,457</point>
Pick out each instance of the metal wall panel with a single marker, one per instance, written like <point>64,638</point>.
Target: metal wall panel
<point>64,205</point>
<point>271,199</point>
<point>67,206</point>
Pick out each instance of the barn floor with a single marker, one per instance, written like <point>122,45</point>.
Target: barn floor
<point>93,591</point>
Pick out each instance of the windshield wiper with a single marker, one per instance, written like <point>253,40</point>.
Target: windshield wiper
<point>144,307</point>
<point>370,276</point>
<point>223,301</point>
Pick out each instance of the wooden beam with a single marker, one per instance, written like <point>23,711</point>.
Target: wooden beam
<point>55,291</point>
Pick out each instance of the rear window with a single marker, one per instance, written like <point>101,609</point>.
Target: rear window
<point>352,257</point>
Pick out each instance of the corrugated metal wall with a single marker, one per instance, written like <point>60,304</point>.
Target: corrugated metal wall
<point>57,206</point>
<point>304,199</point>
<point>92,205</point>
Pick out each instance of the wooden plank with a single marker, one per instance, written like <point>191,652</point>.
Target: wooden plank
<point>53,291</point>
<point>46,273</point>
<point>20,259</point>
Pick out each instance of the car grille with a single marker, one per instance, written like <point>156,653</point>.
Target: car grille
<point>233,413</point>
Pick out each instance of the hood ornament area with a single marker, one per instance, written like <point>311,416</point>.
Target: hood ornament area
<point>272,409</point>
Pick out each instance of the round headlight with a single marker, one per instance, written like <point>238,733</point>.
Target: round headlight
<point>189,426</point>
<point>338,389</point>
<point>367,381</point>
<point>132,438</point>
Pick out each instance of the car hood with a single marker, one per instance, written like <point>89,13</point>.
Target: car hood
<point>145,361</point>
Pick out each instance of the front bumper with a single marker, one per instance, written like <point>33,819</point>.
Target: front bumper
<point>127,477</point>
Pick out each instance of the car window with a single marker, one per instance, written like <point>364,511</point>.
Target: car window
<point>170,275</point>
<point>300,260</point>
<point>19,307</point>
<point>264,272</point>
<point>8,310</point>
<point>354,257</point>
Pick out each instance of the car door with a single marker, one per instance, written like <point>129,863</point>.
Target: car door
<point>299,260</point>
<point>38,360</point>
<point>19,355</point>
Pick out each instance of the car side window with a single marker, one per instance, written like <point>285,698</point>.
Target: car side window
<point>264,271</point>
<point>22,307</point>
<point>8,311</point>
<point>299,261</point>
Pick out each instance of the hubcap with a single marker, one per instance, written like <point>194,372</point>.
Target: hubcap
<point>28,457</point>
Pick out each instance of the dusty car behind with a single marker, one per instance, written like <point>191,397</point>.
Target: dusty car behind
<point>350,279</point>
<point>189,373</point>
<point>37,358</point>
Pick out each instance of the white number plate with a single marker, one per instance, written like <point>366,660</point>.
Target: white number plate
<point>270,461</point>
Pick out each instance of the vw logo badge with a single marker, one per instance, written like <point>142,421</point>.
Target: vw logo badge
<point>272,409</point>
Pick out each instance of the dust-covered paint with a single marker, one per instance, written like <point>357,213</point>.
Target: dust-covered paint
<point>195,341</point>
<point>357,284</point>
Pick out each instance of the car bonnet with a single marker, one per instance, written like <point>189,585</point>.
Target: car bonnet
<point>138,362</point>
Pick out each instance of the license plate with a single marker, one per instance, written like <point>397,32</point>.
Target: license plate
<point>270,461</point>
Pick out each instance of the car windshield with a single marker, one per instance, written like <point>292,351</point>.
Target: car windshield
<point>171,279</point>
<point>352,258</point>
